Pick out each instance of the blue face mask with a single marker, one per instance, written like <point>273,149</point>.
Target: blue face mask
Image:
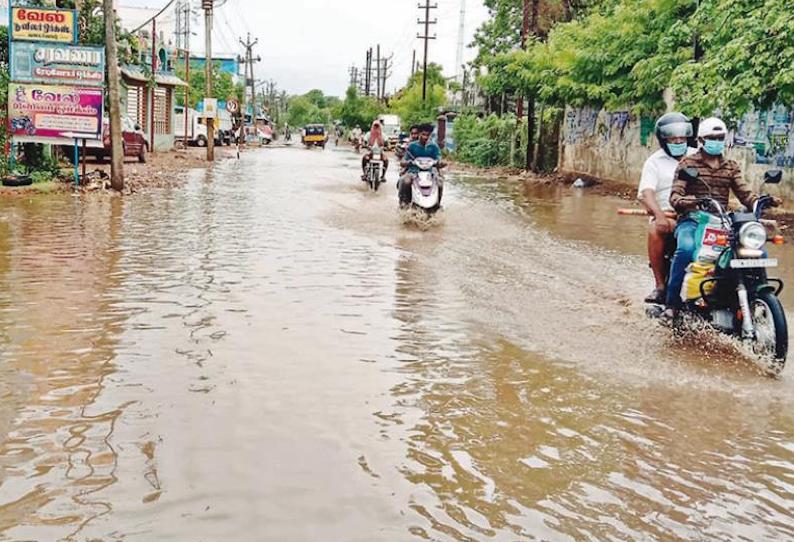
<point>713,147</point>
<point>676,149</point>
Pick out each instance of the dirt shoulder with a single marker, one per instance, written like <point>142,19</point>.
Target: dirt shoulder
<point>161,170</point>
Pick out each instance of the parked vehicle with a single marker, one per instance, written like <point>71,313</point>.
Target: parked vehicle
<point>735,296</point>
<point>134,142</point>
<point>374,171</point>
<point>313,135</point>
<point>197,128</point>
<point>426,188</point>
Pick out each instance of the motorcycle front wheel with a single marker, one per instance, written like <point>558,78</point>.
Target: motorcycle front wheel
<point>771,329</point>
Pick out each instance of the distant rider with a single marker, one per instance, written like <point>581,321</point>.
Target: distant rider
<point>421,148</point>
<point>717,176</point>
<point>376,139</point>
<point>658,174</point>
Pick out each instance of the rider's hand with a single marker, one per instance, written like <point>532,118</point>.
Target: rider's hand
<point>776,201</point>
<point>663,224</point>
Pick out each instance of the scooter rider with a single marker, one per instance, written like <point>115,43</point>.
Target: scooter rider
<point>658,173</point>
<point>421,148</point>
<point>717,176</point>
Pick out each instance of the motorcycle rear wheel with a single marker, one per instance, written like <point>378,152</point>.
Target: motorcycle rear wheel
<point>771,329</point>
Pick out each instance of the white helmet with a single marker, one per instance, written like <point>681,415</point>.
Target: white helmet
<point>712,126</point>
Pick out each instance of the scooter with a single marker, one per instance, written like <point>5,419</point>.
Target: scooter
<point>426,185</point>
<point>737,297</point>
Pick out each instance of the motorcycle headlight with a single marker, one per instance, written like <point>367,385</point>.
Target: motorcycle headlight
<point>752,236</point>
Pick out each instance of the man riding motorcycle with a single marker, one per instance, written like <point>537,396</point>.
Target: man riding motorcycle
<point>717,176</point>
<point>656,182</point>
<point>421,148</point>
<point>376,139</point>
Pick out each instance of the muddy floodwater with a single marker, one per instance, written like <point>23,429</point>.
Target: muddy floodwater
<point>271,354</point>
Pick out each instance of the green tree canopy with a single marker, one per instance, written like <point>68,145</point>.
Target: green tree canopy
<point>625,53</point>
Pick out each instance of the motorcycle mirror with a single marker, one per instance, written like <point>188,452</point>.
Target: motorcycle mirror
<point>773,176</point>
<point>688,174</point>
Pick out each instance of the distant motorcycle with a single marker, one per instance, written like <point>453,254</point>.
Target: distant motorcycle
<point>374,171</point>
<point>426,185</point>
<point>735,295</point>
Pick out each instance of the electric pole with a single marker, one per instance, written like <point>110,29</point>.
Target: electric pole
<point>461,38</point>
<point>249,67</point>
<point>207,6</point>
<point>385,74</point>
<point>524,33</point>
<point>114,97</point>
<point>377,71</point>
<point>368,74</point>
<point>427,37</point>
<point>413,64</point>
<point>353,71</point>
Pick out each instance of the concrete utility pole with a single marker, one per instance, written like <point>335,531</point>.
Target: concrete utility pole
<point>188,12</point>
<point>413,63</point>
<point>377,71</point>
<point>152,89</point>
<point>427,37</point>
<point>114,97</point>
<point>385,74</point>
<point>524,33</point>
<point>461,38</point>
<point>249,68</point>
<point>368,74</point>
<point>206,5</point>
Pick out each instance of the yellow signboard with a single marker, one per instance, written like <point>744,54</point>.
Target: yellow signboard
<point>42,24</point>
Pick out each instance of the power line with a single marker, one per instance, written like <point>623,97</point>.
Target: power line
<point>168,5</point>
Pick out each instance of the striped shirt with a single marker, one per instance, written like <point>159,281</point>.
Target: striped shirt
<point>716,182</point>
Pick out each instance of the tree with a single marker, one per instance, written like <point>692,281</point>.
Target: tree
<point>409,103</point>
<point>223,86</point>
<point>358,110</point>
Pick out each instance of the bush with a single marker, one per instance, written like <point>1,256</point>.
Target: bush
<point>489,141</point>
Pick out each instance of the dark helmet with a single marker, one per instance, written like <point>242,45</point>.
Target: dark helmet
<point>672,125</point>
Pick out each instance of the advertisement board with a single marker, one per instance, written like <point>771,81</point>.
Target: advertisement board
<point>43,24</point>
<point>61,113</point>
<point>41,62</point>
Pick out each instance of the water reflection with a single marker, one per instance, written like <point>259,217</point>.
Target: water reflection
<point>62,323</point>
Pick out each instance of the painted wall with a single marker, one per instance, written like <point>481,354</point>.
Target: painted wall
<point>613,145</point>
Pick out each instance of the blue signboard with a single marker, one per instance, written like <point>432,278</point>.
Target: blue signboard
<point>39,62</point>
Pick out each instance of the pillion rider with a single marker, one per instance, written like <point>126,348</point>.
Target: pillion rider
<point>717,176</point>
<point>656,182</point>
<point>421,148</point>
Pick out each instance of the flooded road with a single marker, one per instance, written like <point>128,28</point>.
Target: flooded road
<point>270,354</point>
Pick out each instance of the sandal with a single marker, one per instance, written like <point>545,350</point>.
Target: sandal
<point>657,296</point>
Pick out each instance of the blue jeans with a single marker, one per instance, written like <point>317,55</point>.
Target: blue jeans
<point>684,252</point>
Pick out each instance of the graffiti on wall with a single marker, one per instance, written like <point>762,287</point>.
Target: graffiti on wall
<point>770,133</point>
<point>596,126</point>
<point>580,124</point>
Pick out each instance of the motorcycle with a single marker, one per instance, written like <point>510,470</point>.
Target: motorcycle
<point>739,299</point>
<point>426,187</point>
<point>374,169</point>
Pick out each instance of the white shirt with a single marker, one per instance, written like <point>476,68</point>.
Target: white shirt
<point>658,174</point>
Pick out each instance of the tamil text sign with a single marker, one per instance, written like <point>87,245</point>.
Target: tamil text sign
<point>57,64</point>
<point>54,112</point>
<point>41,24</point>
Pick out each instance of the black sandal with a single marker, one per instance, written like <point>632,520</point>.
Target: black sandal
<point>656,297</point>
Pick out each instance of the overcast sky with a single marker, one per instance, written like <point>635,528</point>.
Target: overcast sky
<point>307,44</point>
